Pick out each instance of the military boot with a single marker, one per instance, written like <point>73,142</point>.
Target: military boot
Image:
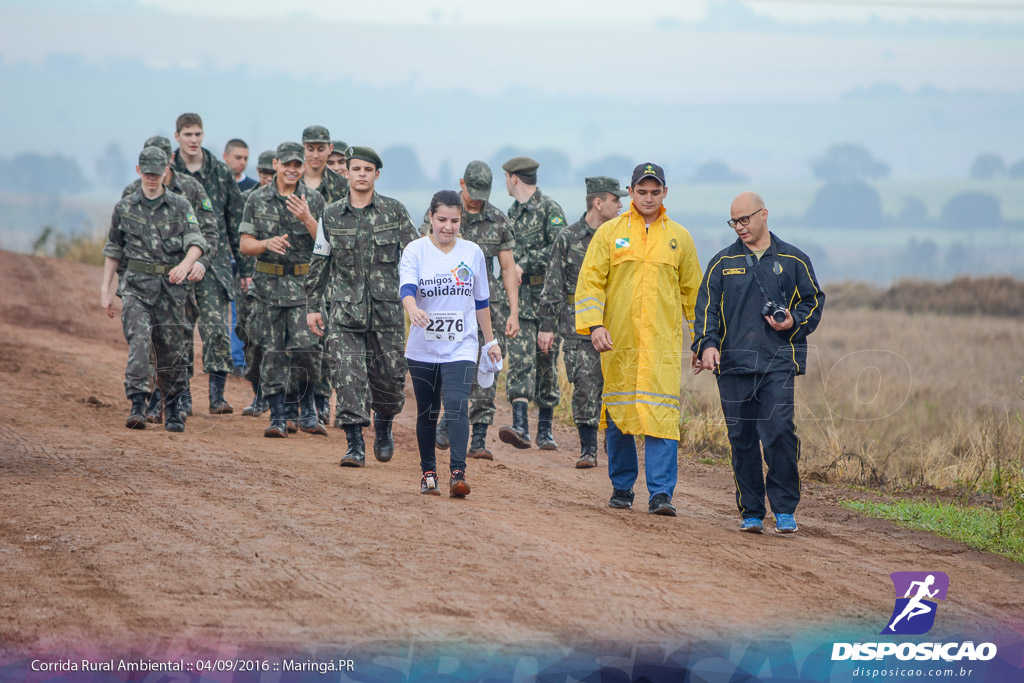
<point>291,412</point>
<point>310,420</point>
<point>137,418</point>
<point>155,408</point>
<point>441,435</point>
<point>478,444</point>
<point>355,456</point>
<point>185,404</point>
<point>257,397</point>
<point>383,443</point>
<point>545,441</point>
<point>588,447</point>
<point>277,429</point>
<point>174,413</point>
<point>218,406</point>
<point>323,408</point>
<point>518,434</point>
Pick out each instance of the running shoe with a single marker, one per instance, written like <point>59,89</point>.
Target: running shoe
<point>752,525</point>
<point>785,524</point>
<point>457,487</point>
<point>428,484</point>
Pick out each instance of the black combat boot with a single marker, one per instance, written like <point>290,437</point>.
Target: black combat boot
<point>518,434</point>
<point>185,404</point>
<point>323,408</point>
<point>383,443</point>
<point>441,435</point>
<point>155,408</point>
<point>355,456</point>
<point>257,397</point>
<point>174,414</point>
<point>277,429</point>
<point>218,406</point>
<point>545,441</point>
<point>291,412</point>
<point>137,418</point>
<point>310,420</point>
<point>478,444</point>
<point>588,447</point>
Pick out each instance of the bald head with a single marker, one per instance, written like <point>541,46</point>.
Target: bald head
<point>746,203</point>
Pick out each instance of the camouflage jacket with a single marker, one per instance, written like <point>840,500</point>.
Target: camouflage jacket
<point>223,192</point>
<point>266,215</point>
<point>558,298</point>
<point>360,276</point>
<point>333,187</point>
<point>535,225</point>
<point>190,189</point>
<point>492,232</point>
<point>246,263</point>
<point>159,235</point>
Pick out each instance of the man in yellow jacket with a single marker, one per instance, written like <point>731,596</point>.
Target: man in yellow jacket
<point>637,287</point>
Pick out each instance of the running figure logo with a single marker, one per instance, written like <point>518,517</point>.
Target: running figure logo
<point>914,613</point>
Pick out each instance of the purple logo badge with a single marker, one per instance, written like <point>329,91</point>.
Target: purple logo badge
<point>916,592</point>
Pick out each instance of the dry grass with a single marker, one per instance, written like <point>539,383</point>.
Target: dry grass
<point>997,296</point>
<point>81,248</point>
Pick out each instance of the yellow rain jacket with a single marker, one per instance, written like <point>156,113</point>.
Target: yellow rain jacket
<point>639,283</point>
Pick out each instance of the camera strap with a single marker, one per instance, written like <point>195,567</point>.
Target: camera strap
<point>775,269</point>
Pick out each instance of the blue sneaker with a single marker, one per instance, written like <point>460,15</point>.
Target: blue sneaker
<point>785,524</point>
<point>752,525</point>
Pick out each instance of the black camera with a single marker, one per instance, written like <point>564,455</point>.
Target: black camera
<point>776,311</point>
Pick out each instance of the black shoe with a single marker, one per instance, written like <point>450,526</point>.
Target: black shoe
<point>518,434</point>
<point>185,404</point>
<point>588,447</point>
<point>383,442</point>
<point>545,441</point>
<point>661,504</point>
<point>291,412</point>
<point>309,421</point>
<point>355,456</point>
<point>218,406</point>
<point>277,428</point>
<point>257,398</point>
<point>458,487</point>
<point>428,484</point>
<point>137,417</point>
<point>441,434</point>
<point>621,499</point>
<point>155,408</point>
<point>478,444</point>
<point>323,408</point>
<point>174,414</point>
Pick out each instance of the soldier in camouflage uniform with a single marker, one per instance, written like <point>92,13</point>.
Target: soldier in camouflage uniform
<point>532,374</point>
<point>333,187</point>
<point>215,293</point>
<point>558,311</point>
<point>485,224</point>
<point>336,159</point>
<point>364,235</point>
<point>158,236</point>
<point>246,299</point>
<point>279,228</point>
<point>191,190</point>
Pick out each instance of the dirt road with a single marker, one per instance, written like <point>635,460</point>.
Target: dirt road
<point>109,536</point>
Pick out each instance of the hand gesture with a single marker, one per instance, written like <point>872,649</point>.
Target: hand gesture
<point>279,244</point>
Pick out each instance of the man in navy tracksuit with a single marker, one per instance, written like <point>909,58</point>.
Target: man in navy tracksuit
<point>758,302</point>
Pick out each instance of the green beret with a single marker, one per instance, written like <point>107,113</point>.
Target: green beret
<point>291,151</point>
<point>603,183</point>
<point>152,160</point>
<point>340,146</point>
<point>366,154</point>
<point>521,165</point>
<point>161,142</point>
<point>316,134</point>
<point>266,161</point>
<point>478,180</point>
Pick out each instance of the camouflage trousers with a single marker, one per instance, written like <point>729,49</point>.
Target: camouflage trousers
<point>291,353</point>
<point>532,375</point>
<point>368,371</point>
<point>323,385</point>
<point>156,335</point>
<point>213,315</point>
<point>245,303</point>
<point>481,401</point>
<point>583,366</point>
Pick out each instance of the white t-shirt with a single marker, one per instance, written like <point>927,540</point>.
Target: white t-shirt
<point>447,288</point>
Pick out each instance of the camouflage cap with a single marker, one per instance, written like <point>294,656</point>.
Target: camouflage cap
<point>366,154</point>
<point>161,142</point>
<point>340,147</point>
<point>266,161</point>
<point>603,183</point>
<point>291,151</point>
<point>478,181</point>
<point>152,160</point>
<point>521,165</point>
<point>316,134</point>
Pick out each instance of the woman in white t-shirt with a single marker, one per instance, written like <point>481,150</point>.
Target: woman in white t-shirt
<point>444,291</point>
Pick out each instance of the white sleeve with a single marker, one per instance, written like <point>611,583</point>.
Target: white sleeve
<point>409,266</point>
<point>481,288</point>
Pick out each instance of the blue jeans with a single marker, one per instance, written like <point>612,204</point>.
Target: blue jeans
<point>661,465</point>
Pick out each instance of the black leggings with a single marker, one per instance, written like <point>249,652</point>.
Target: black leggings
<point>428,379</point>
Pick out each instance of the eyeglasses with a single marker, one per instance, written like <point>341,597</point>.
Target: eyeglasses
<point>742,220</point>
